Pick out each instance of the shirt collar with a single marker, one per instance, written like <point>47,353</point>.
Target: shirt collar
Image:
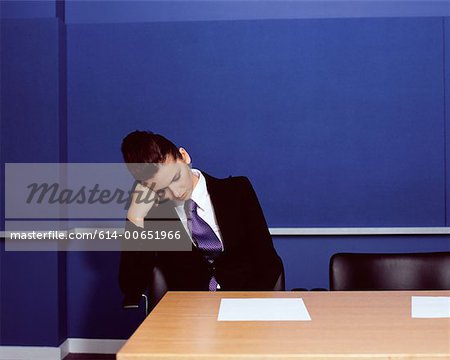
<point>200,192</point>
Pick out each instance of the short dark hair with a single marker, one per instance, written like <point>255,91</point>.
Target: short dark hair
<point>143,150</point>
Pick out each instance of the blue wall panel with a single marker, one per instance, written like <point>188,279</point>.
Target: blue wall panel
<point>446,44</point>
<point>29,90</point>
<point>13,9</point>
<point>94,298</point>
<point>32,310</point>
<point>337,122</point>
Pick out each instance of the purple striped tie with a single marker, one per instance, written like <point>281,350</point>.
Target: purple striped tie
<point>205,238</point>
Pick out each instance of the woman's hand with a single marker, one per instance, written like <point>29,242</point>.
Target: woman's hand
<point>142,200</point>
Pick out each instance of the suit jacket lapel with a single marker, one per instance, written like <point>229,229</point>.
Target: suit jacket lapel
<point>218,200</point>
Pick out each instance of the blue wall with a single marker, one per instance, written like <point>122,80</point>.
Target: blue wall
<point>359,104</point>
<point>348,114</point>
<point>447,108</point>
<point>11,9</point>
<point>33,285</point>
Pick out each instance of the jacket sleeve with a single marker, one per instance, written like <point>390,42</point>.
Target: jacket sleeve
<point>264,266</point>
<point>135,270</point>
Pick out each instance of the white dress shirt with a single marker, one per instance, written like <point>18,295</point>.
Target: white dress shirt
<point>205,208</point>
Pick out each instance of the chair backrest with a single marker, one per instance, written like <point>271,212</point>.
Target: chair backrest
<point>414,271</point>
<point>158,287</point>
<point>280,284</point>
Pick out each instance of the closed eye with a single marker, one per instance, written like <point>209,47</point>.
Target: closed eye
<point>177,176</point>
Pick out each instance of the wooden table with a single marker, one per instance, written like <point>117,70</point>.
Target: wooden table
<point>356,325</point>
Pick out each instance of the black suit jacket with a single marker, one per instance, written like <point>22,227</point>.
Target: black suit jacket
<point>248,262</point>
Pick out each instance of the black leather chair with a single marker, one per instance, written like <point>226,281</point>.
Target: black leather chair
<point>413,271</point>
<point>158,288</point>
<point>280,284</point>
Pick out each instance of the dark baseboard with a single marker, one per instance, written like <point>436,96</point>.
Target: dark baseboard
<point>90,357</point>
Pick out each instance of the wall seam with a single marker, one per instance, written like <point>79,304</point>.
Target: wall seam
<point>63,309</point>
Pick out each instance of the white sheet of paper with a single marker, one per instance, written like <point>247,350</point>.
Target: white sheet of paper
<point>430,306</point>
<point>263,310</point>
